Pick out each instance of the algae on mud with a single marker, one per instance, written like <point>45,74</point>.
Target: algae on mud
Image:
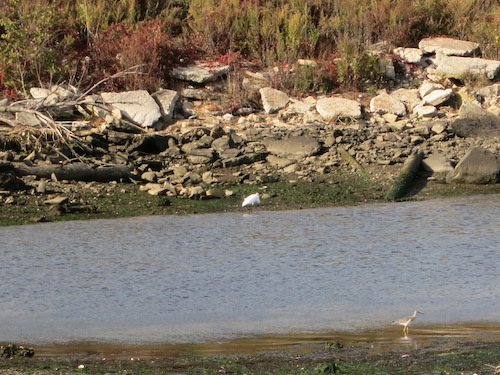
<point>114,200</point>
<point>437,358</point>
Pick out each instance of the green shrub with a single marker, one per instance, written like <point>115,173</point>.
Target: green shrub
<point>32,43</point>
<point>320,77</point>
<point>356,67</point>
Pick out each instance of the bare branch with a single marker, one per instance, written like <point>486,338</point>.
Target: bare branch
<point>131,70</point>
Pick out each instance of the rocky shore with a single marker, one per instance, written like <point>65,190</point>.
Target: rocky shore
<point>193,144</point>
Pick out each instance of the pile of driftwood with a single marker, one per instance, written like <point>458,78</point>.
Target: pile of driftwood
<point>47,123</point>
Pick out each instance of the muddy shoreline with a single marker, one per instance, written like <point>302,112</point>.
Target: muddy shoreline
<point>114,200</point>
<point>469,348</point>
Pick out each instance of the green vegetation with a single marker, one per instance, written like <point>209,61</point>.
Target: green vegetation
<point>83,41</point>
<point>98,201</point>
<point>403,181</point>
<point>472,358</point>
<point>108,201</point>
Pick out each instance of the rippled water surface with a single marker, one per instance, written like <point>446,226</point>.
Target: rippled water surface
<point>185,278</point>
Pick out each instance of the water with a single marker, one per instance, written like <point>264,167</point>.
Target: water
<point>199,277</point>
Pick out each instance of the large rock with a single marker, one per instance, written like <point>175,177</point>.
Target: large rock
<point>293,147</point>
<point>437,163</point>
<point>280,162</point>
<point>437,97</point>
<point>458,67</point>
<point>476,121</point>
<point>166,100</point>
<point>223,143</point>
<point>410,97</point>
<point>449,46</point>
<point>410,55</point>
<point>273,100</point>
<point>478,166</point>
<point>138,106</point>
<point>385,103</point>
<point>489,92</point>
<point>335,108</point>
<point>201,156</point>
<point>428,86</point>
<point>200,73</point>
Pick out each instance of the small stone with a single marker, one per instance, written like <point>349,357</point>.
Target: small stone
<point>425,111</point>
<point>149,176</point>
<point>439,127</point>
<point>57,200</point>
<point>41,187</point>
<point>157,191</point>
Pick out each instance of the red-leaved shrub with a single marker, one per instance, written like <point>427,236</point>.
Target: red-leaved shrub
<point>144,46</point>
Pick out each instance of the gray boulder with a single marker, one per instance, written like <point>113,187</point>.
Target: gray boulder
<point>428,86</point>
<point>293,147</point>
<point>449,46</point>
<point>166,100</point>
<point>410,55</point>
<point>201,156</point>
<point>478,166</point>
<point>437,163</point>
<point>273,100</point>
<point>458,67</point>
<point>200,73</point>
<point>338,108</point>
<point>437,97</point>
<point>425,111</point>
<point>138,106</point>
<point>475,121</point>
<point>410,97</point>
<point>385,103</point>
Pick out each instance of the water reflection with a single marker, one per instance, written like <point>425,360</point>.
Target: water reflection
<point>190,278</point>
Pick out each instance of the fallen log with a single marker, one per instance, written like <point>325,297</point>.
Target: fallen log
<point>75,172</point>
<point>403,181</point>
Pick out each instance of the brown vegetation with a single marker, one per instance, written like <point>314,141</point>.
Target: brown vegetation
<point>84,41</point>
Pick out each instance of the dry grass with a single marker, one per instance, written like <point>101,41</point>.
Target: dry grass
<point>269,32</point>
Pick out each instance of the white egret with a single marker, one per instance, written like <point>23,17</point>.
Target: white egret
<point>251,200</point>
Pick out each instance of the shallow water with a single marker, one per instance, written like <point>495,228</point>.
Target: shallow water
<point>176,279</point>
<point>379,340</point>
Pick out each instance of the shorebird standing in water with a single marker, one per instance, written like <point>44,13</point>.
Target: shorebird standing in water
<point>405,322</point>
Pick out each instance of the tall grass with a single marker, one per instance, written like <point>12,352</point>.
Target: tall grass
<point>37,35</point>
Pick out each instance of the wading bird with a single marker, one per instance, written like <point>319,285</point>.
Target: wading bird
<point>405,322</point>
<point>251,200</point>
